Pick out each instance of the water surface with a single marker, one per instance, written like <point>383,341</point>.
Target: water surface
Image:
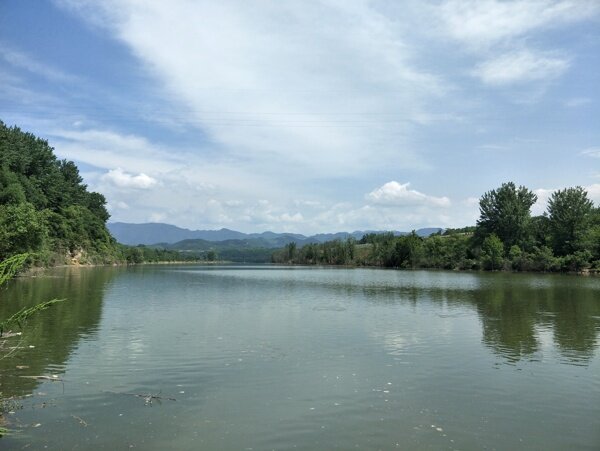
<point>305,358</point>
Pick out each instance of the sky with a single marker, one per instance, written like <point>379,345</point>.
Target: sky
<point>308,116</point>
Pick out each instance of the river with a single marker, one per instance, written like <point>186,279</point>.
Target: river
<point>271,357</point>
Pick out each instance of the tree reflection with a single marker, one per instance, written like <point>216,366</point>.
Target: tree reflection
<point>51,336</point>
<point>515,309</point>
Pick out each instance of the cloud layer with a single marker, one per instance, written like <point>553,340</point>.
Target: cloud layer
<point>397,194</point>
<point>311,116</point>
<point>122,179</point>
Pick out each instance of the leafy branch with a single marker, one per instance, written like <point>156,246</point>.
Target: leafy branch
<point>22,315</point>
<point>11,266</point>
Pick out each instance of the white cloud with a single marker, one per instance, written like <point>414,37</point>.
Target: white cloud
<point>397,194</point>
<point>122,179</point>
<point>520,66</point>
<point>471,201</point>
<point>287,217</point>
<point>106,149</point>
<point>122,205</point>
<point>157,217</point>
<point>542,200</point>
<point>594,193</point>
<point>481,23</point>
<point>234,203</point>
<point>312,85</point>
<point>291,102</point>
<point>21,60</point>
<point>591,152</point>
<point>499,33</point>
<point>577,102</point>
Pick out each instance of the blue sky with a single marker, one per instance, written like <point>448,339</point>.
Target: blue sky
<point>308,116</point>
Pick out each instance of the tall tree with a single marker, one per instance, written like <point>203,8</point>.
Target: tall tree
<point>505,212</point>
<point>492,252</point>
<point>569,211</point>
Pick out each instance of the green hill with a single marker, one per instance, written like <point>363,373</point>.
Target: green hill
<point>45,207</point>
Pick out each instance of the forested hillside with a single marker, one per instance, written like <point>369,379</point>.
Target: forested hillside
<point>44,206</point>
<point>565,238</point>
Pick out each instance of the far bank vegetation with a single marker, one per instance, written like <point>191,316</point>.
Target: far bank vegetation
<point>506,237</point>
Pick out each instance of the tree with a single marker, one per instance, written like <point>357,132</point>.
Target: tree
<point>591,237</point>
<point>22,229</point>
<point>43,197</point>
<point>291,250</point>
<point>492,252</point>
<point>409,250</point>
<point>569,211</point>
<point>505,212</point>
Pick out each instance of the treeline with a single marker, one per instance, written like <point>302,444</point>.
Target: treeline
<point>143,254</point>
<point>47,211</point>
<point>565,238</point>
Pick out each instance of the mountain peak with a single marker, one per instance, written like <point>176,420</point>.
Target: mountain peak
<point>156,232</point>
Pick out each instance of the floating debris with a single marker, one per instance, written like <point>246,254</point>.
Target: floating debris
<point>148,397</point>
<point>53,378</point>
<point>81,420</point>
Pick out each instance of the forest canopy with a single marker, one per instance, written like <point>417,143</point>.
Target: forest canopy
<point>45,207</point>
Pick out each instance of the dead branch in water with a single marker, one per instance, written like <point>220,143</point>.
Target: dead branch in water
<point>147,397</point>
<point>53,378</point>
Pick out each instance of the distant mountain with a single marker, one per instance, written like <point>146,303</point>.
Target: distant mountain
<point>166,235</point>
<point>425,232</point>
<point>154,232</point>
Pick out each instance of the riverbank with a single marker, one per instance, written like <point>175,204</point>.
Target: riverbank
<point>37,271</point>
<point>584,272</point>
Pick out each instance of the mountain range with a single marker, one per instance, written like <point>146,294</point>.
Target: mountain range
<point>168,235</point>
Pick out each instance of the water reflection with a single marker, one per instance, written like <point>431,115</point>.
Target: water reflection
<point>517,312</point>
<point>51,335</point>
<point>514,309</point>
<point>513,315</point>
<point>313,358</point>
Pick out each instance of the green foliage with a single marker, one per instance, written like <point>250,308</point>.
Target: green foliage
<point>11,266</point>
<point>8,269</point>
<point>44,205</point>
<point>134,255</point>
<point>505,237</point>
<point>590,240</point>
<point>569,212</point>
<point>492,252</point>
<point>24,314</point>
<point>577,261</point>
<point>505,213</point>
<point>291,250</point>
<point>515,255</point>
<point>22,229</point>
<point>539,229</point>
<point>144,254</point>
